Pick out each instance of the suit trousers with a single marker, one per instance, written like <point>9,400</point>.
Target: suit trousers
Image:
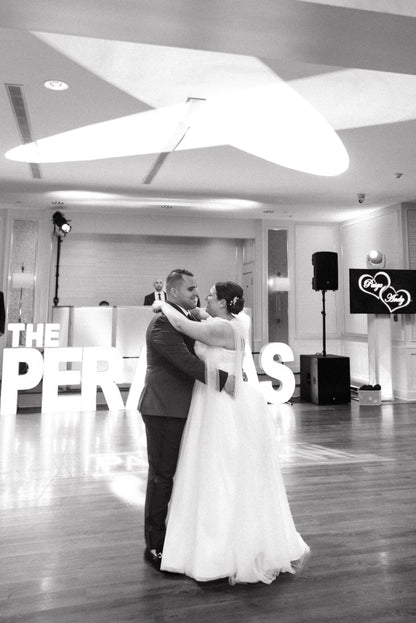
<point>164,436</point>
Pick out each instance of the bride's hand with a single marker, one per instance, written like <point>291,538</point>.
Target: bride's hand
<point>229,386</point>
<point>199,313</point>
<point>157,306</point>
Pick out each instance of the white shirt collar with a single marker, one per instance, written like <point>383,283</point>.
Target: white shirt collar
<point>185,311</point>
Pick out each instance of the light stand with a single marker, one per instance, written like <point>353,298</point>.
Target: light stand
<point>323,312</point>
<point>61,229</point>
<point>325,277</point>
<point>58,259</point>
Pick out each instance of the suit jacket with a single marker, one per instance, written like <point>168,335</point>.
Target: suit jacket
<point>149,299</point>
<point>172,368</point>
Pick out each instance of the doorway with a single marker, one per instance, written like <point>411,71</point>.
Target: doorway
<point>277,286</point>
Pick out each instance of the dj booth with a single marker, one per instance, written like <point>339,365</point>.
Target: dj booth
<point>121,327</point>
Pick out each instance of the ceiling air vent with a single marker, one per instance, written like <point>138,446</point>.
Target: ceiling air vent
<point>15,93</point>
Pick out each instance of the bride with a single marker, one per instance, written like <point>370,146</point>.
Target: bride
<point>229,515</point>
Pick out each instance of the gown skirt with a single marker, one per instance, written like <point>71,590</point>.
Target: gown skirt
<point>229,514</point>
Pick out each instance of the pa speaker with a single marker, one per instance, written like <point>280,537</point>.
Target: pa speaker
<point>325,379</point>
<point>330,380</point>
<point>325,270</point>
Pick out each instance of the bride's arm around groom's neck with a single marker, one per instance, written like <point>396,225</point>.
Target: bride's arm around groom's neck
<point>216,332</point>
<point>200,313</point>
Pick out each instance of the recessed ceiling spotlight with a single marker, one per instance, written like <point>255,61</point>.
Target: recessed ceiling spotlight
<point>398,175</point>
<point>56,85</point>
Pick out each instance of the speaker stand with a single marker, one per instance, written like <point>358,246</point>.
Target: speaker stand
<point>323,312</point>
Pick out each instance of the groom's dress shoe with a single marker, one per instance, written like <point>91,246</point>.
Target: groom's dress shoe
<point>154,557</point>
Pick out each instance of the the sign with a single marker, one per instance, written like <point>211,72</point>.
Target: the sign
<point>382,291</point>
<point>100,367</point>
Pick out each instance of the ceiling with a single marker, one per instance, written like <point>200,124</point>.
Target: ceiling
<point>354,62</point>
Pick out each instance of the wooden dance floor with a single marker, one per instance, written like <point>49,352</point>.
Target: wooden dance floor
<point>71,522</point>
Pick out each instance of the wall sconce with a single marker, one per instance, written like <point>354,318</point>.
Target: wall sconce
<point>376,259</point>
<point>279,284</point>
<point>22,281</point>
<point>61,229</point>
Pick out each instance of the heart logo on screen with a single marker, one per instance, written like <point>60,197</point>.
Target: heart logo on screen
<point>380,287</point>
<point>374,284</point>
<point>395,299</point>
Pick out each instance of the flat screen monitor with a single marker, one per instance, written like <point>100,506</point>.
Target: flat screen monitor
<point>375,291</point>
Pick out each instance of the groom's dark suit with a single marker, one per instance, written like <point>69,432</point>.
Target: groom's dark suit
<point>172,368</point>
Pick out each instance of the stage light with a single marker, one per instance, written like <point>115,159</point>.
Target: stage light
<point>61,229</point>
<point>61,223</point>
<point>376,259</point>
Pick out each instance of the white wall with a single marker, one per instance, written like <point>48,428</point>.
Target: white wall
<point>128,222</point>
<point>121,268</point>
<point>117,255</point>
<point>100,246</point>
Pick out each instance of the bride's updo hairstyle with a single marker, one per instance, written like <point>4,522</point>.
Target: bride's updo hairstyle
<point>232,293</point>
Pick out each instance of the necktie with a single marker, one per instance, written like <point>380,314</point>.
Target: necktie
<point>159,297</point>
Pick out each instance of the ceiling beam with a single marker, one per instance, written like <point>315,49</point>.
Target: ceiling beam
<point>274,29</point>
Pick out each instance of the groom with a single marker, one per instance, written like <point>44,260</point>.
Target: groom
<point>172,368</point>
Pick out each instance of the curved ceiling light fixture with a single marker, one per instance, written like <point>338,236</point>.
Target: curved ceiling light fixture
<point>269,119</point>
<point>274,124</point>
<point>197,202</point>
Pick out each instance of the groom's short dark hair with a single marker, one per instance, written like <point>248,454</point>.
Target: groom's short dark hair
<point>175,276</point>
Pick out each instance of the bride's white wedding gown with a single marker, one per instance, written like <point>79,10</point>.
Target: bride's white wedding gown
<point>229,515</point>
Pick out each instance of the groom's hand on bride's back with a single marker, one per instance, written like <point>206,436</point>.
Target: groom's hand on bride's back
<point>229,386</point>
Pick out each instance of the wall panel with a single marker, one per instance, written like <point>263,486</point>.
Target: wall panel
<point>122,268</point>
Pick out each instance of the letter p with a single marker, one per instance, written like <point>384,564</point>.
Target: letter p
<point>12,381</point>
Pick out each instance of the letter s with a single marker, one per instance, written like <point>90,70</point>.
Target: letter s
<point>278,371</point>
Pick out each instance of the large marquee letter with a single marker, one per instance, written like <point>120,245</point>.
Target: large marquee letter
<point>12,381</point>
<point>278,371</point>
<point>54,377</point>
<point>92,377</point>
<point>138,382</point>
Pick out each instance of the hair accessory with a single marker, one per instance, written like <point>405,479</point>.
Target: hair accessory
<point>235,299</point>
